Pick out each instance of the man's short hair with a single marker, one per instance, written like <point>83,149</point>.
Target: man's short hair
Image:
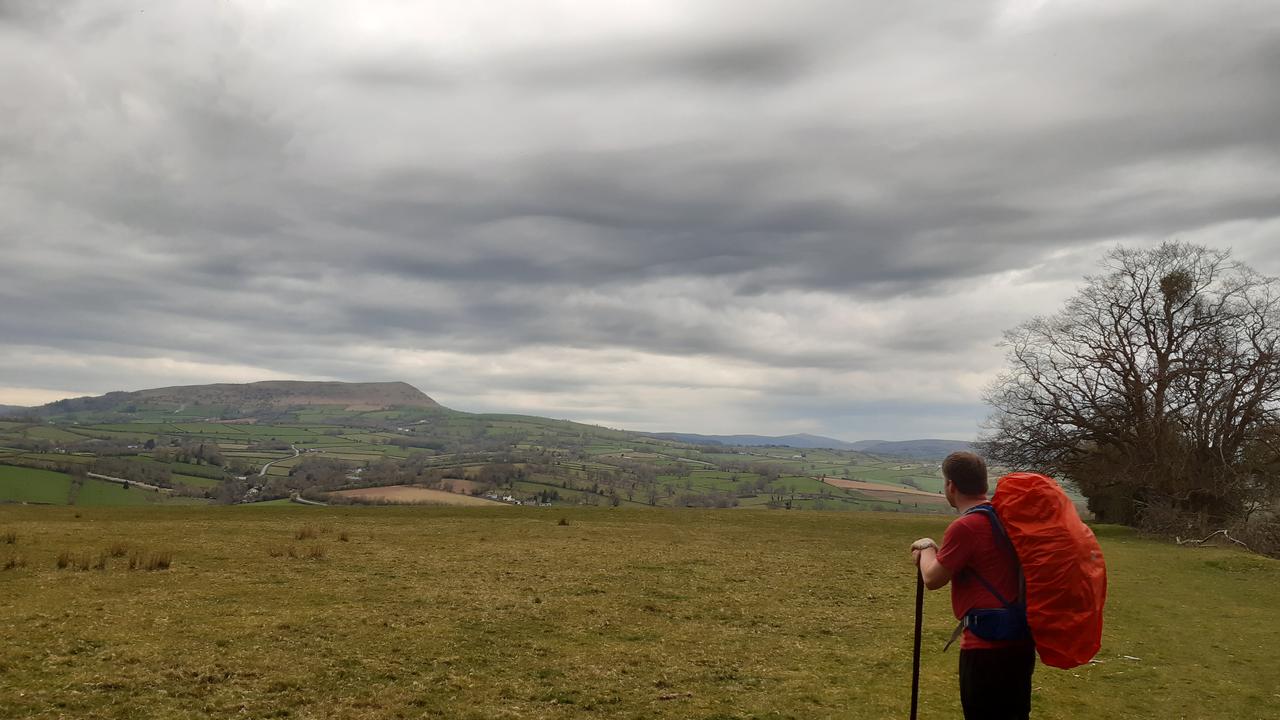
<point>967,472</point>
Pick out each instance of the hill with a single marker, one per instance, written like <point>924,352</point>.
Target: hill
<point>12,409</point>
<point>237,400</point>
<point>929,449</point>
<point>273,440</point>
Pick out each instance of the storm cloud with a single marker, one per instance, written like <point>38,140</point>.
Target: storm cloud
<point>807,216</point>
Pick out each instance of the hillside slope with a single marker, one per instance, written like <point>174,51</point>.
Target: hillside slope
<point>924,449</point>
<point>273,395</point>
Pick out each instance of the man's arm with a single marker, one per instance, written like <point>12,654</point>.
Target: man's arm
<point>935,574</point>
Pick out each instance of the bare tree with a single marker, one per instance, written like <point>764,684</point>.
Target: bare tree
<point>1155,387</point>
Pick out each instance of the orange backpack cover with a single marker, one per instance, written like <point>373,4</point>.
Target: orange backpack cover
<point>1065,574</point>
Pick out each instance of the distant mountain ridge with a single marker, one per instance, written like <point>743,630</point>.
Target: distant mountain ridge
<point>12,409</point>
<point>926,449</point>
<point>801,440</point>
<point>276,395</point>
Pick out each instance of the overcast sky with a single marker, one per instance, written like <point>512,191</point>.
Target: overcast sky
<point>705,216</point>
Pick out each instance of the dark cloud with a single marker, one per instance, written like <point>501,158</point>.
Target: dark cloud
<point>754,63</point>
<point>498,205</point>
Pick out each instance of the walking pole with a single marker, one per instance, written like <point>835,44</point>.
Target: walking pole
<point>915,653</point>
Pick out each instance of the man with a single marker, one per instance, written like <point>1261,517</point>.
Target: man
<point>995,675</point>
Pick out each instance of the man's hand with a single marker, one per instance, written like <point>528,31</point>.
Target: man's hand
<point>919,546</point>
<point>925,554</point>
<point>923,543</point>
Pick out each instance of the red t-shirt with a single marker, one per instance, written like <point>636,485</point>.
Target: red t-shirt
<point>971,543</point>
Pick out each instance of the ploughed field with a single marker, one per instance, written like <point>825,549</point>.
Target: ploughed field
<point>410,495</point>
<point>505,612</point>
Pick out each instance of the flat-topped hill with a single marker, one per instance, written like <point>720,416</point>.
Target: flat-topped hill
<point>266,395</point>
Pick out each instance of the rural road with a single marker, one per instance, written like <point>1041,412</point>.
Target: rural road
<point>303,501</point>
<point>263,472</point>
<point>129,482</point>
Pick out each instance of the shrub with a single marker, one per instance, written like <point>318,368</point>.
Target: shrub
<point>1261,534</point>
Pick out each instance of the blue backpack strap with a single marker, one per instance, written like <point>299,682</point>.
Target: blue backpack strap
<point>1002,538</point>
<point>996,526</point>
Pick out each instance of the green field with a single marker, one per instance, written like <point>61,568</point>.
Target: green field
<point>29,485</point>
<point>109,494</point>
<point>506,613</point>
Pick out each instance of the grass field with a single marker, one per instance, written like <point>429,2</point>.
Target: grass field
<point>29,485</point>
<point>109,494</point>
<point>506,613</point>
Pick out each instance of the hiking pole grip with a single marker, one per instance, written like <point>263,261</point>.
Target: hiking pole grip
<point>915,653</point>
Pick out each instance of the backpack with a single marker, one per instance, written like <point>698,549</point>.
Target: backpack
<point>1063,572</point>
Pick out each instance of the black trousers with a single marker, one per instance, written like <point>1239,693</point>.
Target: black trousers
<point>996,684</point>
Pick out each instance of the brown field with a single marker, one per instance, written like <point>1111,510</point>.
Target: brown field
<point>884,492</point>
<point>410,494</point>
<point>463,486</point>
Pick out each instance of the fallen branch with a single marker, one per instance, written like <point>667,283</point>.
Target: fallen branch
<point>1223,533</point>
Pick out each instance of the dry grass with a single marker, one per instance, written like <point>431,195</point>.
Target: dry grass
<point>118,550</point>
<point>662,614</point>
<point>159,561</point>
<point>150,560</point>
<point>8,538</point>
<point>81,561</point>
<point>14,562</point>
<point>311,552</point>
<point>306,532</point>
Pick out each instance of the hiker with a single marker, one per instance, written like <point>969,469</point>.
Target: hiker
<point>995,674</point>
